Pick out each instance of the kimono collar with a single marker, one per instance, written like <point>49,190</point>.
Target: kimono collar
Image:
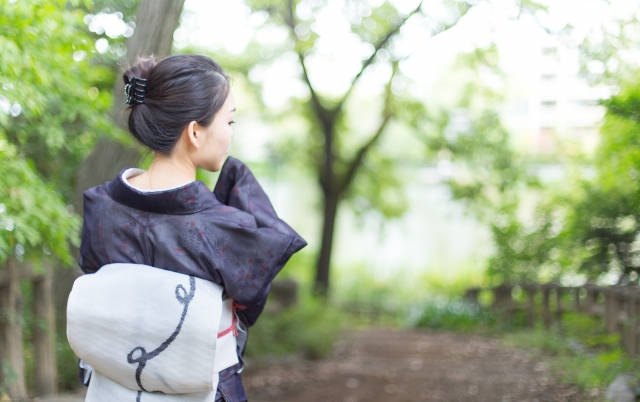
<point>190,198</point>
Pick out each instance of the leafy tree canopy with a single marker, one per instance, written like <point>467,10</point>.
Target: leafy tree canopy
<point>53,106</point>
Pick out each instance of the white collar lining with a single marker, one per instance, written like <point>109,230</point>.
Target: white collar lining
<point>132,172</point>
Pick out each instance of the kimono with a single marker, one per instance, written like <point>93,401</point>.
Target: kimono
<point>231,236</point>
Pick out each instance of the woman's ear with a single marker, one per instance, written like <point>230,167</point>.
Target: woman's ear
<point>193,137</point>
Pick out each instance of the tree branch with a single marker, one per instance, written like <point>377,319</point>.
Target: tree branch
<point>382,43</point>
<point>357,160</point>
<point>290,19</point>
<point>324,115</point>
<point>321,111</point>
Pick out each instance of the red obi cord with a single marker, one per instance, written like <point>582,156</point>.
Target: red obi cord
<point>234,320</point>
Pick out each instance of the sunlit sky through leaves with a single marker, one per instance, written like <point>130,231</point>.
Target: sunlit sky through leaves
<point>229,25</point>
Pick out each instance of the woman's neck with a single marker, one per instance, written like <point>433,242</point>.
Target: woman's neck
<point>165,172</point>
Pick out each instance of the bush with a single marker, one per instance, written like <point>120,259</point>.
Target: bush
<point>67,363</point>
<point>310,329</point>
<point>451,314</point>
<point>580,350</point>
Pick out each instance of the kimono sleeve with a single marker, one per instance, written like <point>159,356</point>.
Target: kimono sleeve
<point>237,187</point>
<point>88,260</point>
<point>261,245</point>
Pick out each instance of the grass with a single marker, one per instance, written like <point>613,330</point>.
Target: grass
<point>579,351</point>
<point>452,314</point>
<point>587,369</point>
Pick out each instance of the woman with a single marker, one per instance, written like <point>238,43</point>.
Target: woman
<point>182,109</point>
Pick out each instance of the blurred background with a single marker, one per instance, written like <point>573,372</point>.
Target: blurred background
<point>421,148</point>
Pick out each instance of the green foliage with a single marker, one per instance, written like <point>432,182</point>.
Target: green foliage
<point>52,108</point>
<point>452,314</point>
<point>66,360</point>
<point>358,291</point>
<point>490,180</point>
<point>601,227</point>
<point>54,98</point>
<point>378,187</point>
<point>538,340</point>
<point>579,352</point>
<point>126,7</point>
<point>28,323</point>
<point>595,371</point>
<point>309,329</point>
<point>606,52</point>
<point>484,149</point>
<point>590,225</point>
<point>34,220</point>
<point>67,364</point>
<point>8,373</point>
<point>524,252</point>
<point>589,329</point>
<point>402,298</point>
<point>486,173</point>
<point>48,78</point>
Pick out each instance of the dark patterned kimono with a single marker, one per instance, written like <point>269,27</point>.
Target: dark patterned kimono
<point>231,236</point>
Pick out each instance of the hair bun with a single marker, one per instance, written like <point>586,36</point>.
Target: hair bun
<point>140,69</point>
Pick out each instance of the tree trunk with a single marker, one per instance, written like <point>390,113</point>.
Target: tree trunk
<point>156,20</point>
<point>44,336</point>
<point>331,201</point>
<point>11,357</point>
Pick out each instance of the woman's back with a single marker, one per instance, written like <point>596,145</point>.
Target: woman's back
<point>182,109</point>
<point>187,230</point>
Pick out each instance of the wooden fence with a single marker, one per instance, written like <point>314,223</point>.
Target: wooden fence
<point>618,305</point>
<point>12,367</point>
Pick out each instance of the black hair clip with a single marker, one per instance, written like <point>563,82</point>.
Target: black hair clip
<point>135,90</point>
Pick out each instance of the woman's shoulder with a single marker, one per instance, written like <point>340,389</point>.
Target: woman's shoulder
<point>96,193</point>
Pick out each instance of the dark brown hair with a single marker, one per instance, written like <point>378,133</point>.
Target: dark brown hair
<point>180,89</point>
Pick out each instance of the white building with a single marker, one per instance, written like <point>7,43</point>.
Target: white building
<point>554,105</point>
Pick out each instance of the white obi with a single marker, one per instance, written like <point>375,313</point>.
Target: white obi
<point>150,334</point>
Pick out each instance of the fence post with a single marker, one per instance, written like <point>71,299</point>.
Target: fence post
<point>631,328</point>
<point>471,295</point>
<point>531,306</point>
<point>546,312</point>
<point>559,310</point>
<point>501,295</point>
<point>502,301</point>
<point>576,301</point>
<point>284,295</point>
<point>590,300</point>
<point>636,320</point>
<point>612,310</point>
<point>11,333</point>
<point>46,376</point>
<point>623,319</point>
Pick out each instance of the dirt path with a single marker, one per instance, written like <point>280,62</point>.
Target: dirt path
<point>399,366</point>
